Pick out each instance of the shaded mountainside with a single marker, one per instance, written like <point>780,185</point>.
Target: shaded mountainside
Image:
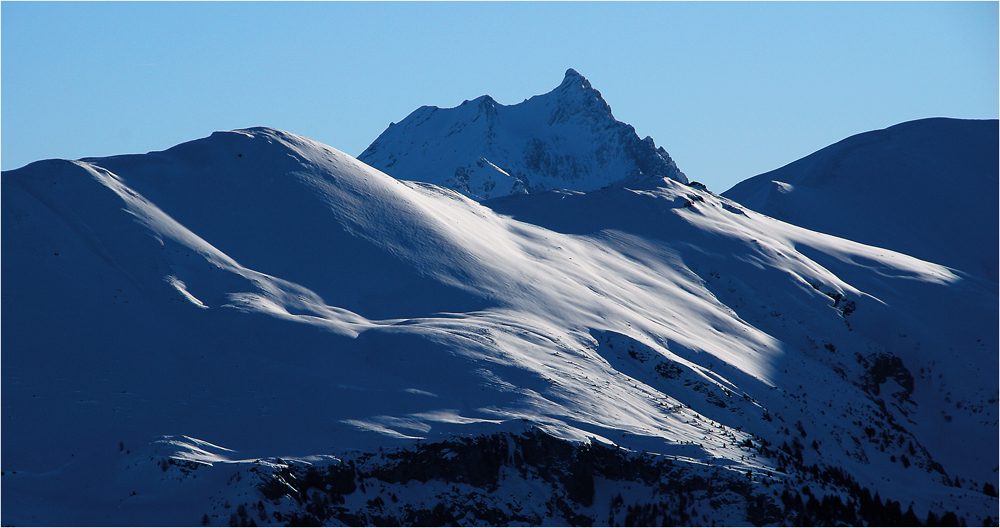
<point>256,327</point>
<point>527,478</point>
<point>565,139</point>
<point>925,188</point>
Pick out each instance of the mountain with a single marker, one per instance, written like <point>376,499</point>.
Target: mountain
<point>565,139</point>
<point>926,188</point>
<point>256,328</point>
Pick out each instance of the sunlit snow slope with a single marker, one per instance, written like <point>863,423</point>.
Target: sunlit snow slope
<point>926,188</point>
<point>268,296</point>
<point>565,139</point>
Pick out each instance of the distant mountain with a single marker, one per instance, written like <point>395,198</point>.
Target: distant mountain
<point>256,328</point>
<point>926,188</point>
<point>565,139</point>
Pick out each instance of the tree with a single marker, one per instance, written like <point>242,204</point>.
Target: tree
<point>949,519</point>
<point>910,518</point>
<point>989,489</point>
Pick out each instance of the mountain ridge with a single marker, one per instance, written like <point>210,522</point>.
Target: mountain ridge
<point>567,138</point>
<point>256,291</point>
<point>884,188</point>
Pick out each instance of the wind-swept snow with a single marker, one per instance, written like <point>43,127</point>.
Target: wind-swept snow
<point>927,188</point>
<point>262,292</point>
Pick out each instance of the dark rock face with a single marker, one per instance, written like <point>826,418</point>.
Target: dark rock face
<point>884,367</point>
<point>565,139</point>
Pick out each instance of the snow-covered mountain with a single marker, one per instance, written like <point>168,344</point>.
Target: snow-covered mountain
<point>565,139</point>
<point>256,328</point>
<point>927,188</point>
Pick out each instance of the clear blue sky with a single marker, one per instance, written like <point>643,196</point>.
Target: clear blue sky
<point>731,90</point>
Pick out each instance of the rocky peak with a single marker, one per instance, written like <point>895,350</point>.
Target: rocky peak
<point>575,95</point>
<point>564,139</point>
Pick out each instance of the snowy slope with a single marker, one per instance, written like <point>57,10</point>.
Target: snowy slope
<point>255,298</point>
<point>565,139</point>
<point>927,188</point>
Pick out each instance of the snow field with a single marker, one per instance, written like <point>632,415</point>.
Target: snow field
<point>269,294</point>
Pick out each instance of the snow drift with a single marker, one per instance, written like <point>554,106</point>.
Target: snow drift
<point>255,300</point>
<point>927,188</point>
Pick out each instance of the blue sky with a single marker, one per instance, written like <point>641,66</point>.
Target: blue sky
<point>730,90</point>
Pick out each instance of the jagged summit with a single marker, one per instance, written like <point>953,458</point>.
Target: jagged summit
<point>576,90</point>
<point>564,139</point>
<point>573,79</point>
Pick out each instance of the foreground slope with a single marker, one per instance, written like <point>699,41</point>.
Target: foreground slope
<point>927,188</point>
<point>240,321</point>
<point>565,139</point>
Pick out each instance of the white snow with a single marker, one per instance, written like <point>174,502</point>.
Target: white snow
<point>927,188</point>
<point>260,291</point>
<point>565,139</point>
